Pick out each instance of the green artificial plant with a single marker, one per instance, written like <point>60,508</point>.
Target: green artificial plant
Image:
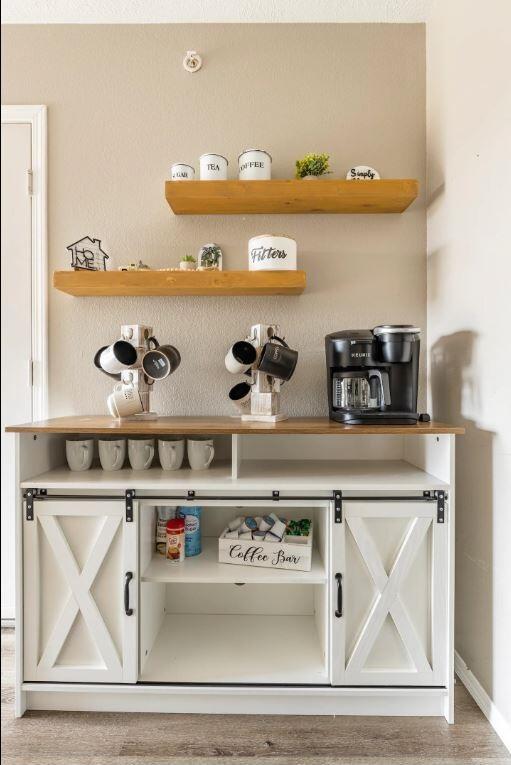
<point>312,164</point>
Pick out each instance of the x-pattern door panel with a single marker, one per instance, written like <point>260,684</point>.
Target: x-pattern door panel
<point>392,557</point>
<point>76,555</point>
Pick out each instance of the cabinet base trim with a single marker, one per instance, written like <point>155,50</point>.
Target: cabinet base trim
<point>399,702</point>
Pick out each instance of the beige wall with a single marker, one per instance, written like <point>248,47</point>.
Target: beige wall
<point>121,108</point>
<point>469,277</point>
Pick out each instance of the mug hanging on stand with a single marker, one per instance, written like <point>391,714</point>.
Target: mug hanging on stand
<point>160,360</point>
<point>240,396</point>
<point>278,359</point>
<point>240,357</point>
<point>124,401</point>
<point>117,357</point>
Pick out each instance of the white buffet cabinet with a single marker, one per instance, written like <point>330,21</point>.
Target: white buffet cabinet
<point>105,623</point>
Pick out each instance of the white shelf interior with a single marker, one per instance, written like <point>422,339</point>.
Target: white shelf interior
<point>286,475</point>
<point>347,475</point>
<point>236,648</point>
<point>205,568</point>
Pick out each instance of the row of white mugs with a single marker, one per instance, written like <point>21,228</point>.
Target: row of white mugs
<point>141,452</point>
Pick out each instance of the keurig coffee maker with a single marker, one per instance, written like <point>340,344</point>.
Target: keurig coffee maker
<point>373,375</point>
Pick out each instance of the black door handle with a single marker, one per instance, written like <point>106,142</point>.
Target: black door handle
<point>127,609</point>
<point>338,612</point>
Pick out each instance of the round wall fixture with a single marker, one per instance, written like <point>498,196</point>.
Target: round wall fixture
<point>192,61</point>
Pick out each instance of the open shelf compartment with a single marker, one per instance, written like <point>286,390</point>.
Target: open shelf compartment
<point>206,622</point>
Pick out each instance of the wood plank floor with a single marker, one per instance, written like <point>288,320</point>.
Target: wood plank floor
<point>72,738</point>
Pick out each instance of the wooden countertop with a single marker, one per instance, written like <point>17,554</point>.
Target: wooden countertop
<point>100,424</point>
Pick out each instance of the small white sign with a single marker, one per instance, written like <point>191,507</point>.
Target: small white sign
<point>362,173</point>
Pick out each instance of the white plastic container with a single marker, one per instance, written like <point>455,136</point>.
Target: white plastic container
<point>181,172</point>
<point>213,167</point>
<point>268,252</point>
<point>254,165</point>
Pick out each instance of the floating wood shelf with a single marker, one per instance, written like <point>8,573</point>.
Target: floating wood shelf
<point>175,283</point>
<point>290,196</point>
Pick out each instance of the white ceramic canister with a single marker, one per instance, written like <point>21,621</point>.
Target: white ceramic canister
<point>181,172</point>
<point>254,165</point>
<point>268,252</point>
<point>213,167</point>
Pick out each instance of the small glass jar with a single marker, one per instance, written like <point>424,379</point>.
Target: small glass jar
<point>163,515</point>
<point>176,540</point>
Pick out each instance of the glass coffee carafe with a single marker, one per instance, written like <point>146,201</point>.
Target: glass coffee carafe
<point>366,391</point>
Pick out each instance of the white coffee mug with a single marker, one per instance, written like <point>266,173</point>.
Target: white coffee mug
<point>200,452</point>
<point>112,453</point>
<point>240,357</point>
<point>79,453</point>
<point>171,452</point>
<point>141,453</point>
<point>118,357</point>
<point>124,401</point>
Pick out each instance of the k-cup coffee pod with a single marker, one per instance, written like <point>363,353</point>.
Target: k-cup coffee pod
<point>231,535</point>
<point>269,537</point>
<point>249,524</point>
<point>258,535</point>
<point>266,523</point>
<point>275,518</point>
<point>245,535</point>
<point>235,523</point>
<point>278,530</point>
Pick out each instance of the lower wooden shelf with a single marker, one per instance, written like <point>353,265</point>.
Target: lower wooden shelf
<point>178,283</point>
<point>223,648</point>
<point>205,568</point>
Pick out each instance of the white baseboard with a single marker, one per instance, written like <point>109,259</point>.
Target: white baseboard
<point>483,701</point>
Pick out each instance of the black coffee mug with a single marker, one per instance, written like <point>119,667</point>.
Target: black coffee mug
<point>160,361</point>
<point>278,360</point>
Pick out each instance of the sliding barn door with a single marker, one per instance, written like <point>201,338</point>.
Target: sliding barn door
<point>78,556</point>
<point>389,579</point>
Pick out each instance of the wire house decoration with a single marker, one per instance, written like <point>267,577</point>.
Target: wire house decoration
<point>87,255</point>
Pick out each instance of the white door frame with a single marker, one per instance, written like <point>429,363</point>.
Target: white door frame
<point>36,117</point>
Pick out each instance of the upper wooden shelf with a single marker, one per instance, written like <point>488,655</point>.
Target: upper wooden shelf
<point>290,196</point>
<point>175,283</point>
<point>96,424</point>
